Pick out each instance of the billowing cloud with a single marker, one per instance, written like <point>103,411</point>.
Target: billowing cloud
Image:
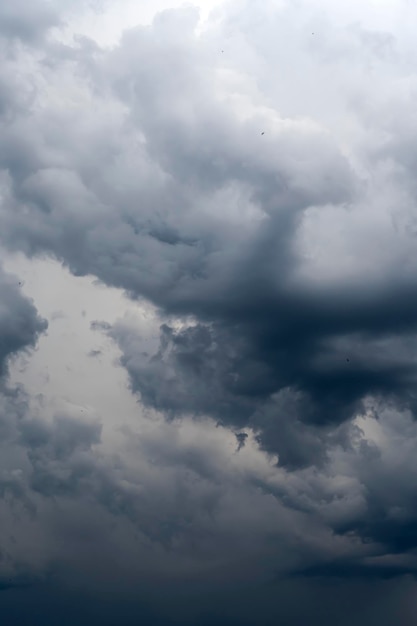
<point>250,179</point>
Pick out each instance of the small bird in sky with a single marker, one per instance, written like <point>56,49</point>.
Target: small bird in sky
<point>263,133</point>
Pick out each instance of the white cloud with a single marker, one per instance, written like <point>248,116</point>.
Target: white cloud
<point>106,22</point>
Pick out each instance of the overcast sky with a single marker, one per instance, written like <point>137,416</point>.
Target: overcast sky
<point>208,312</point>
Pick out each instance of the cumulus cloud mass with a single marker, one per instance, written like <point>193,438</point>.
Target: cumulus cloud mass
<point>208,312</point>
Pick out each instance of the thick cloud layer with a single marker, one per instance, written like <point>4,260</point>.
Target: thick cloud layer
<point>254,181</point>
<point>178,181</point>
<point>242,270</point>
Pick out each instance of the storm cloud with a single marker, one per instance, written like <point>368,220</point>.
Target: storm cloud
<point>249,180</point>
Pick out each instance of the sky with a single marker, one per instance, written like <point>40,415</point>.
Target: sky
<point>208,312</point>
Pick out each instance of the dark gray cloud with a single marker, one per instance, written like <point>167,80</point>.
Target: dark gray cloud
<point>176,517</point>
<point>20,325</point>
<point>385,601</point>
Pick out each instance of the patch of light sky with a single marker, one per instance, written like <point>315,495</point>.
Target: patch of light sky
<point>74,368</point>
